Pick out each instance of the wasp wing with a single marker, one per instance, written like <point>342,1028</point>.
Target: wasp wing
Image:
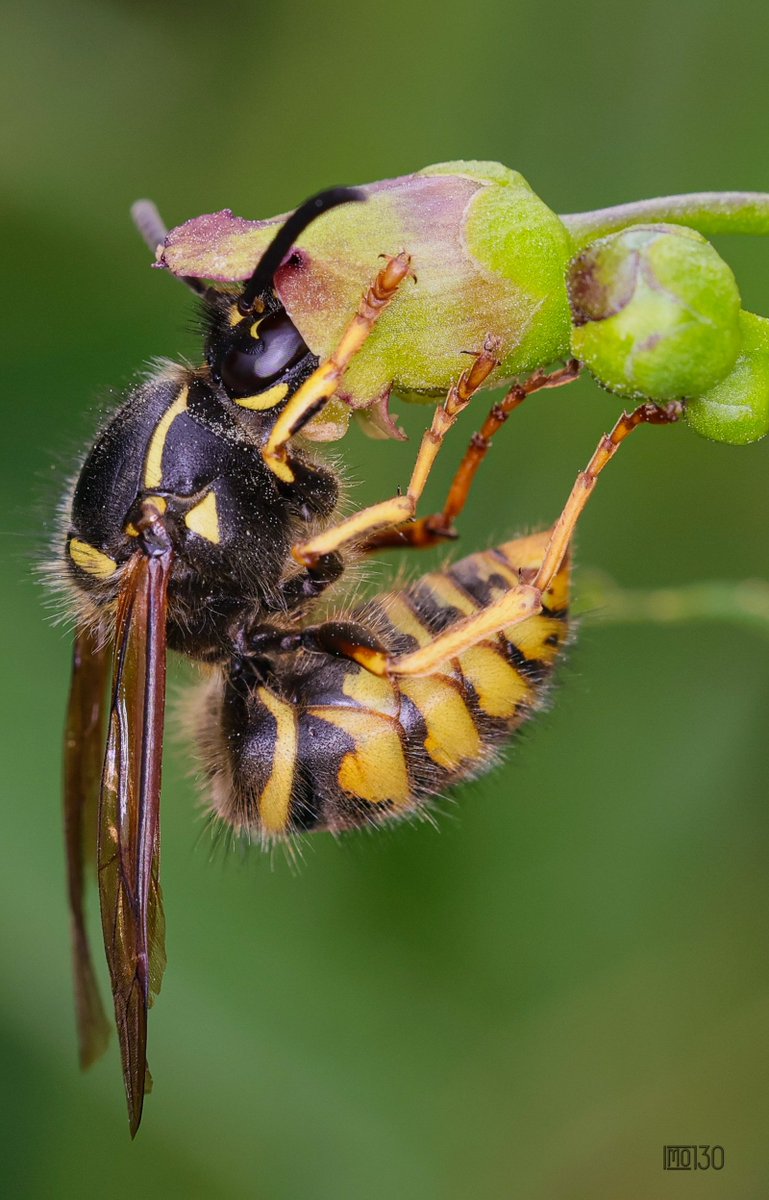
<point>129,830</point>
<point>83,757</point>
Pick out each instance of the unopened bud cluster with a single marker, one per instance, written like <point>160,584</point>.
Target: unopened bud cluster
<point>656,314</point>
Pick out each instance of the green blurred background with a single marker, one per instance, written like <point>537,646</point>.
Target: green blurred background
<point>572,971</point>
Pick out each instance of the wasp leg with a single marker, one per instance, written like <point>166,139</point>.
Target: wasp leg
<point>316,391</point>
<point>393,512</point>
<point>645,414</point>
<point>429,531</point>
<point>309,584</point>
<point>525,599</point>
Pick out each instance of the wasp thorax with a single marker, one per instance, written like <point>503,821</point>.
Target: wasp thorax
<point>656,312</point>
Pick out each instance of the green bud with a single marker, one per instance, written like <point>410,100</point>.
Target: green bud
<point>656,312</point>
<point>736,410</point>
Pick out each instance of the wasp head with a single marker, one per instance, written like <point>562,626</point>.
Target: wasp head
<point>253,348</point>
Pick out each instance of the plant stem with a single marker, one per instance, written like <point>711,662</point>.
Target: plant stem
<point>744,603</point>
<point>708,212</point>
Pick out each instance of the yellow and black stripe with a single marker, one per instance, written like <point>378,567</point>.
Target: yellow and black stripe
<point>323,744</point>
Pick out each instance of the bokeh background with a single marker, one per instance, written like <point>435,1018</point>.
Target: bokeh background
<point>571,971</point>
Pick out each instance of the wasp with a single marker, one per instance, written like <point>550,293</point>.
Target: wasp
<point>203,522</point>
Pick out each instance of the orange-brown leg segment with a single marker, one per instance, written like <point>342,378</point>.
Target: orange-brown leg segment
<point>439,527</point>
<point>525,600</point>
<point>645,414</point>
<point>363,525</point>
<point>316,391</point>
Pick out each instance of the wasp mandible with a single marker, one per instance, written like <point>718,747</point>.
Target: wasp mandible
<point>202,521</point>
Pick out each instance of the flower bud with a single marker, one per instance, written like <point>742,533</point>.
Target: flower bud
<point>487,255</point>
<point>656,312</point>
<point>736,410</point>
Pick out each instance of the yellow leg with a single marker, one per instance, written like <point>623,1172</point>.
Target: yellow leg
<point>316,391</point>
<point>525,600</point>
<point>645,414</point>
<point>393,512</point>
<point>430,531</point>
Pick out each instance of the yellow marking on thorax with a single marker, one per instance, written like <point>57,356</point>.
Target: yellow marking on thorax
<point>375,770</point>
<point>449,595</point>
<point>91,560</point>
<point>371,691</point>
<point>264,400</point>
<point>531,635</point>
<point>161,504</point>
<point>153,466</point>
<point>275,800</point>
<point>451,733</point>
<point>499,687</point>
<point>254,329</point>
<point>203,519</point>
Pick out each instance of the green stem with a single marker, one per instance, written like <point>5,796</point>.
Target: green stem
<point>744,603</point>
<point>708,212</point>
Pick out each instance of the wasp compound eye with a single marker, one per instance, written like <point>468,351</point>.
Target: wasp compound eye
<point>262,353</point>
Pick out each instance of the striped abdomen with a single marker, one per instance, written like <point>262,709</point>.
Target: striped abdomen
<point>324,744</point>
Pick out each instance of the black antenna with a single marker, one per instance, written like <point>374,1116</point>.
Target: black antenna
<point>153,230</point>
<point>284,239</point>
